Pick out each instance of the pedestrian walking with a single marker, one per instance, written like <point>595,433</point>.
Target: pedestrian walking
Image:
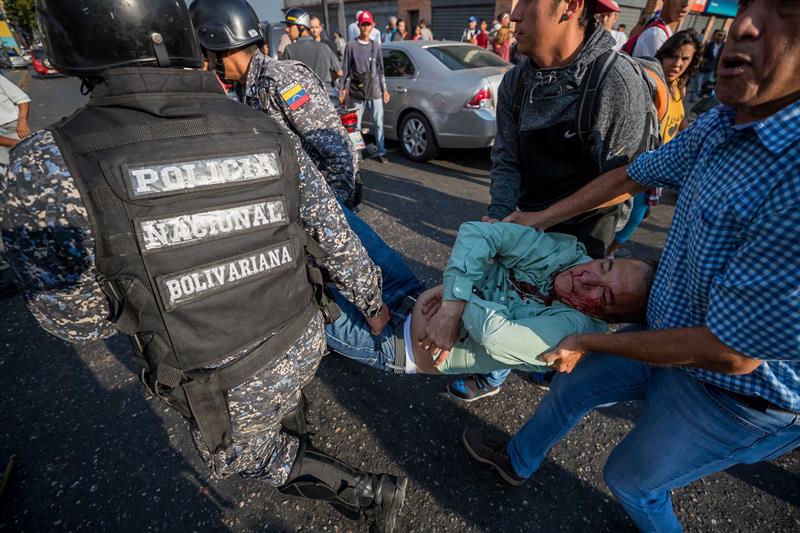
<point>316,55</point>
<point>482,39</point>
<point>716,366</point>
<point>353,30</point>
<point>14,109</point>
<point>427,34</point>
<point>364,83</point>
<point>471,31</point>
<point>148,179</point>
<point>501,44</point>
<point>708,66</point>
<point>391,26</point>
<point>400,33</point>
<point>607,20</point>
<point>545,147</point>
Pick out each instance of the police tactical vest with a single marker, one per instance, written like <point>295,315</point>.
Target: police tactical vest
<point>193,201</point>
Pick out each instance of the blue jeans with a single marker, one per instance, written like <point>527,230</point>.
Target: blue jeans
<point>350,334</point>
<point>376,110</point>
<point>687,430</point>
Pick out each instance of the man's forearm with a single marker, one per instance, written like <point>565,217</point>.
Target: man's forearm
<point>692,347</point>
<point>606,190</point>
<point>24,109</point>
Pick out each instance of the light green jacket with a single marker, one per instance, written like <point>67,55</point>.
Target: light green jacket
<point>503,327</point>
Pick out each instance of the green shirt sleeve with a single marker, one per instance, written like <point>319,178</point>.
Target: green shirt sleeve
<point>515,342</point>
<point>517,247</point>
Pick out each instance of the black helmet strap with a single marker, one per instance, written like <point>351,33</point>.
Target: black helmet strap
<point>160,50</point>
<point>219,65</point>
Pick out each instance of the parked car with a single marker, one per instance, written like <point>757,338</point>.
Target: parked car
<point>26,55</point>
<point>42,65</point>
<point>443,95</point>
<point>9,58</point>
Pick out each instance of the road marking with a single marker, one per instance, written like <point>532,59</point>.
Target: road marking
<point>23,82</point>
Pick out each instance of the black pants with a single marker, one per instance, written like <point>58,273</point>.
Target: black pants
<point>595,229</point>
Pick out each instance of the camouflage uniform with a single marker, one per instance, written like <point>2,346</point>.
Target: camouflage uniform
<point>269,88</point>
<point>50,246</point>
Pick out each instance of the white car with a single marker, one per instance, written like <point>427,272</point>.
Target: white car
<point>443,95</point>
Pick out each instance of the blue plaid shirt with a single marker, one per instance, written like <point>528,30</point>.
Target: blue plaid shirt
<point>732,258</point>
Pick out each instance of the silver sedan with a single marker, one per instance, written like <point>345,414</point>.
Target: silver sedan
<point>443,95</point>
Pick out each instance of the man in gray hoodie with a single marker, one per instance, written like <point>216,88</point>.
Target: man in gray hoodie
<point>538,157</point>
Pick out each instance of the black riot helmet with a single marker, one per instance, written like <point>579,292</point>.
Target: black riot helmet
<point>298,17</point>
<point>225,24</point>
<point>85,37</point>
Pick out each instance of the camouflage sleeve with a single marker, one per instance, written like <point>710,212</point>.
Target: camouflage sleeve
<point>49,243</point>
<point>314,119</point>
<point>350,268</point>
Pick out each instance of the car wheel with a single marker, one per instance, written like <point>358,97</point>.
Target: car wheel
<point>417,137</point>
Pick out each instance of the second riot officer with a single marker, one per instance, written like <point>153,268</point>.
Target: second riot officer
<point>289,91</point>
<point>168,212</point>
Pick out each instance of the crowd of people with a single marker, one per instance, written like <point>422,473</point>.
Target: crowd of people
<point>166,208</point>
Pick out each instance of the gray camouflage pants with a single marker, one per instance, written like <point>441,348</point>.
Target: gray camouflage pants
<point>260,450</point>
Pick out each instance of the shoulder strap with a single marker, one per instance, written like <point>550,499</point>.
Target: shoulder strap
<point>591,86</point>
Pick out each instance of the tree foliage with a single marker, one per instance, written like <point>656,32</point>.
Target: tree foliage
<point>21,13</point>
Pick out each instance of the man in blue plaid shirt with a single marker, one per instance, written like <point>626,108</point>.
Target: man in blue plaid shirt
<point>718,366</point>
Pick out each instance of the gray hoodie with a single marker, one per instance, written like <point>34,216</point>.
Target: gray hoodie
<point>544,129</point>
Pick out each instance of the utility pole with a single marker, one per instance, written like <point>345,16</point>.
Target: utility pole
<point>325,19</point>
<point>342,20</point>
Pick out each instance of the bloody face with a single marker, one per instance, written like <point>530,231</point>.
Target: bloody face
<point>605,287</point>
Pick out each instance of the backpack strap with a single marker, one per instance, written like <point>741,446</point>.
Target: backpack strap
<point>590,90</point>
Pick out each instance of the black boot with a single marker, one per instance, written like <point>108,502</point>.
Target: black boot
<point>295,422</point>
<point>318,476</point>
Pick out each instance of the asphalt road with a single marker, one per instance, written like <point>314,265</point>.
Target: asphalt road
<point>93,453</point>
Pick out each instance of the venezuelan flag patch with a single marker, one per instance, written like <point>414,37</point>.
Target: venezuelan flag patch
<point>295,96</point>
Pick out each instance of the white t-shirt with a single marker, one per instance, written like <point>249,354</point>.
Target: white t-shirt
<point>650,41</point>
<point>620,37</point>
<point>10,97</point>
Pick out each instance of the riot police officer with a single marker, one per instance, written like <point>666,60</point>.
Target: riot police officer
<point>230,33</point>
<point>168,212</point>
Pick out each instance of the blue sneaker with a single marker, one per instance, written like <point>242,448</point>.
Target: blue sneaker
<point>471,388</point>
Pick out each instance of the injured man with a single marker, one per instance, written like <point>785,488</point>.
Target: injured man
<point>510,293</point>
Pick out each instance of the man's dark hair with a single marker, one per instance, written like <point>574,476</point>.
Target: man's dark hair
<point>587,20</point>
<point>672,45</point>
<point>621,27</point>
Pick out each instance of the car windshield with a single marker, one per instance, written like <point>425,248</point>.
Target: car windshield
<point>460,57</point>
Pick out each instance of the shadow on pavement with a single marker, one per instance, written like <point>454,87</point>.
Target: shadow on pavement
<point>443,213</point>
<point>420,431</point>
<point>91,451</point>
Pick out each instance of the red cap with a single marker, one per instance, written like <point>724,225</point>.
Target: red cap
<point>605,6</point>
<point>364,17</point>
